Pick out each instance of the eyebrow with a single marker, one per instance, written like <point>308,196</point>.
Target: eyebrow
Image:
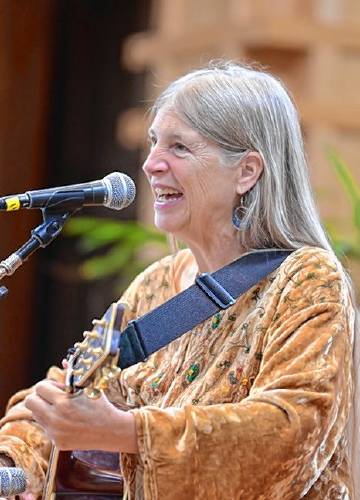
<point>152,133</point>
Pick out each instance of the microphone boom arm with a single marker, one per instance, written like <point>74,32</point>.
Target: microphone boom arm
<point>54,220</point>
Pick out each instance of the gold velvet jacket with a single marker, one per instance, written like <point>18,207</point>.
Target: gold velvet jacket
<point>251,404</point>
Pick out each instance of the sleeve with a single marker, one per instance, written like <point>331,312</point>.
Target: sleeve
<point>275,442</point>
<point>23,440</point>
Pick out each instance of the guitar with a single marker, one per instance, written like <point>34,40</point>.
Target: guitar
<point>92,365</point>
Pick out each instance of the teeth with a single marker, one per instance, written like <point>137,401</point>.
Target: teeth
<point>162,193</point>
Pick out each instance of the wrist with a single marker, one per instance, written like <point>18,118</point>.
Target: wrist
<point>126,435</point>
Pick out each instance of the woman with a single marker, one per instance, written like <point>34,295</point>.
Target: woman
<point>255,402</point>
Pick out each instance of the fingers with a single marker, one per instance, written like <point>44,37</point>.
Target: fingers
<point>40,402</point>
<point>39,408</point>
<point>49,390</point>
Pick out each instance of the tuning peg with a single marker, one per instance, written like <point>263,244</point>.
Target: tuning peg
<point>115,370</point>
<point>99,322</point>
<point>92,392</point>
<point>96,351</point>
<point>105,370</point>
<point>78,371</point>
<point>87,362</point>
<point>104,382</point>
<point>80,346</point>
<point>91,335</point>
<point>110,372</point>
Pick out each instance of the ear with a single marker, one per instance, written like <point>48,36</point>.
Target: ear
<point>249,171</point>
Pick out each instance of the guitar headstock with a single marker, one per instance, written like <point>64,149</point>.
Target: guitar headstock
<point>93,364</point>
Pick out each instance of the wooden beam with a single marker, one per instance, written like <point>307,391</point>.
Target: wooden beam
<point>25,64</point>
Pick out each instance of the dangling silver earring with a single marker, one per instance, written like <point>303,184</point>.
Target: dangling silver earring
<point>238,216</point>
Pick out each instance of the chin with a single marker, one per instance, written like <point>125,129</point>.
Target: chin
<point>168,225</point>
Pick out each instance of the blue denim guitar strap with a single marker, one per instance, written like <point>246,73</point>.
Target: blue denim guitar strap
<point>210,294</point>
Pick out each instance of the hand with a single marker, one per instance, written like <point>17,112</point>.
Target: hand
<point>77,422</point>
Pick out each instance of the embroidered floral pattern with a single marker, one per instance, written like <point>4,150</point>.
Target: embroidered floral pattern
<point>239,355</point>
<point>216,321</point>
<point>155,383</point>
<point>192,372</point>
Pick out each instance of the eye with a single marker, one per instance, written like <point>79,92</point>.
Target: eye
<point>152,141</point>
<point>180,148</point>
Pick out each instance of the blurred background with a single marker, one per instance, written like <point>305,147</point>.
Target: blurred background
<point>76,79</point>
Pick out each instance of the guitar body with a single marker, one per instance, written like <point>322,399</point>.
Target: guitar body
<point>89,475</point>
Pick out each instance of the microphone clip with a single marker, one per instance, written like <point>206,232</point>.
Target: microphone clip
<point>54,218</point>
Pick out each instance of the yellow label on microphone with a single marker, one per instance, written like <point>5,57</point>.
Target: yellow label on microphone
<point>12,203</point>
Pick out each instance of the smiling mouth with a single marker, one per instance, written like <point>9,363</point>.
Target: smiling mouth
<point>167,194</point>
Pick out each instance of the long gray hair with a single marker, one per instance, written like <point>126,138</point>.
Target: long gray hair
<point>241,108</point>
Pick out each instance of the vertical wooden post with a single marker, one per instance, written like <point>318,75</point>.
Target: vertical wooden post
<point>26,46</point>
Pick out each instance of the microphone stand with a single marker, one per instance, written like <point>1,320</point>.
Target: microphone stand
<point>54,219</point>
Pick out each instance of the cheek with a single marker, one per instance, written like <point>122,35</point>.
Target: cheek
<point>206,183</point>
<point>197,179</point>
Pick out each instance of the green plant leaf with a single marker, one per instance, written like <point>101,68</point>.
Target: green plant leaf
<point>98,233</point>
<point>357,218</point>
<point>80,225</point>
<point>346,247</point>
<point>124,244</point>
<point>345,177</point>
<point>106,265</point>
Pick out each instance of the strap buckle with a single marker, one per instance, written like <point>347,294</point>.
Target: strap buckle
<point>132,349</point>
<point>216,292</point>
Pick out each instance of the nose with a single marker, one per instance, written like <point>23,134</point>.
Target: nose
<point>155,163</point>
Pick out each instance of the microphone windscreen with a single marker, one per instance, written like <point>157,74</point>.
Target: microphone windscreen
<point>12,481</point>
<point>121,190</point>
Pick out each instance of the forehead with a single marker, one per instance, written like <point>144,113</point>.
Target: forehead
<point>168,123</point>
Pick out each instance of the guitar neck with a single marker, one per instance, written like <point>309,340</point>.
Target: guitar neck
<point>91,366</point>
<point>49,487</point>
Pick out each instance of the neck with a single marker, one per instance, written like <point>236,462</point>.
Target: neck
<point>216,252</point>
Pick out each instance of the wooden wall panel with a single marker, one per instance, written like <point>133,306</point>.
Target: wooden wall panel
<point>25,66</point>
<point>313,45</point>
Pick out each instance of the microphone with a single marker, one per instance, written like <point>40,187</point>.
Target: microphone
<point>12,481</point>
<point>115,191</point>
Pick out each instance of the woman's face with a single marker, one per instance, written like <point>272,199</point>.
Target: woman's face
<point>194,192</point>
